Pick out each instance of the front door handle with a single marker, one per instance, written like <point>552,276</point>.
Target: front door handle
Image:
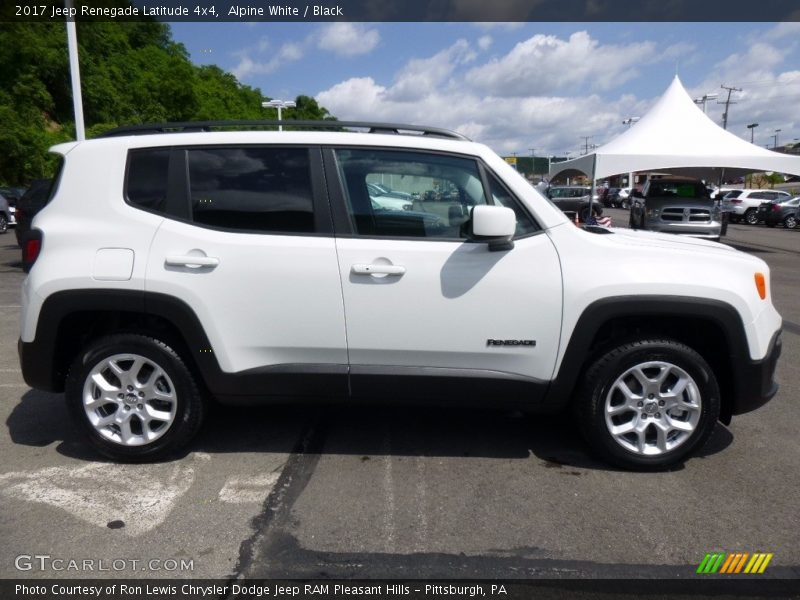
<point>378,269</point>
<point>191,261</point>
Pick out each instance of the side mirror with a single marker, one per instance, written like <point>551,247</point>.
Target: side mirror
<point>494,225</point>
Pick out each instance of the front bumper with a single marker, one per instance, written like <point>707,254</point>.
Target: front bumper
<point>755,383</point>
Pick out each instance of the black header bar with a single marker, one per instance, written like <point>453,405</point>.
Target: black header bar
<point>404,10</point>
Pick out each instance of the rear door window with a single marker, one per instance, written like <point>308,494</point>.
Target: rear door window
<point>252,189</point>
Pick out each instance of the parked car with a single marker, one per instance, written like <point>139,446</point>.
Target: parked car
<point>12,195</point>
<point>5,214</point>
<point>34,200</point>
<point>172,268</point>
<point>743,204</point>
<point>676,205</point>
<point>388,199</point>
<point>785,213</point>
<point>573,199</point>
<point>624,195</point>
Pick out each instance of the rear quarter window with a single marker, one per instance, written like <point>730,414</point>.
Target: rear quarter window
<point>146,179</point>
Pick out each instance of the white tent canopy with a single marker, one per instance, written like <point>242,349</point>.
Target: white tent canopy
<point>675,136</point>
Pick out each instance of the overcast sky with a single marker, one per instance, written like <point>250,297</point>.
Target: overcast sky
<point>515,86</point>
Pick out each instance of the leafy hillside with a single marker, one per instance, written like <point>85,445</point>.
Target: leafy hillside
<point>131,73</point>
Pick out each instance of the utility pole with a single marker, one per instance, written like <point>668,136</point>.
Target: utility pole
<point>727,103</point>
<point>777,131</point>
<point>586,139</point>
<point>703,99</point>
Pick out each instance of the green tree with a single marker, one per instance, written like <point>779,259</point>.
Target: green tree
<point>131,73</point>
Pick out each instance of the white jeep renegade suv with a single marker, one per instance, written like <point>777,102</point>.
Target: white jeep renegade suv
<point>180,262</point>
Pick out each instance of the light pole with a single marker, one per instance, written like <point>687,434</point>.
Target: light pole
<point>705,98</point>
<point>280,105</point>
<point>752,128</point>
<point>777,131</point>
<point>75,76</point>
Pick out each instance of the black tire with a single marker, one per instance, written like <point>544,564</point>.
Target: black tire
<point>3,224</point>
<point>598,385</point>
<point>751,217</point>
<point>735,218</point>
<point>189,404</point>
<point>790,222</point>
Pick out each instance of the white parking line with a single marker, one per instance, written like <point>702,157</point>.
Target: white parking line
<point>139,495</point>
<point>241,490</point>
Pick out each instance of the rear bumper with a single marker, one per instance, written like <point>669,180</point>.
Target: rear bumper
<point>755,383</point>
<point>37,367</point>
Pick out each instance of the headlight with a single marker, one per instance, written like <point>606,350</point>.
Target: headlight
<point>407,206</point>
<point>652,213</point>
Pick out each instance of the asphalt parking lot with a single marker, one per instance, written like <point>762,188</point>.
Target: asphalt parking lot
<point>344,492</point>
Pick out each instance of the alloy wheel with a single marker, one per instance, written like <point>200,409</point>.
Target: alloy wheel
<point>653,408</point>
<point>129,399</point>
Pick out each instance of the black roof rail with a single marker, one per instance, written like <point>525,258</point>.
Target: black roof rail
<point>193,126</point>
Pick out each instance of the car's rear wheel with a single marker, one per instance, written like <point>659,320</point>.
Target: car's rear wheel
<point>134,397</point>
<point>649,403</point>
<point>734,218</point>
<point>3,224</point>
<point>790,222</point>
<point>751,217</point>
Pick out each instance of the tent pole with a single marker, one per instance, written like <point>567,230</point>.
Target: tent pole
<point>723,215</point>
<point>594,187</point>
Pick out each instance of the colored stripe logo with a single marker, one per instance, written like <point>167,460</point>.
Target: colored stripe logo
<point>734,563</point>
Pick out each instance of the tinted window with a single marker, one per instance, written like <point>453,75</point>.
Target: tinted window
<point>733,194</point>
<point>429,195</point>
<point>676,189</point>
<point>252,189</point>
<point>147,178</point>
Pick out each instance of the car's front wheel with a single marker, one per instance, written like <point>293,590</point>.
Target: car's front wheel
<point>648,403</point>
<point>134,397</point>
<point>3,224</point>
<point>751,217</point>
<point>790,222</point>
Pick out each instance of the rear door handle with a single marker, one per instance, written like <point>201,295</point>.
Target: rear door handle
<point>191,261</point>
<point>378,269</point>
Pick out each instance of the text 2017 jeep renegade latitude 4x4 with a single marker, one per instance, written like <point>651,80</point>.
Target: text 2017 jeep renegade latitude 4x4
<point>184,262</point>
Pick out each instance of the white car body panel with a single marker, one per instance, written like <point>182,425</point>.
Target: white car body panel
<point>451,299</point>
<point>271,300</point>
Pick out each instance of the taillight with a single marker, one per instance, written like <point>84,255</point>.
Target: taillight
<point>735,201</point>
<point>31,249</point>
<point>776,208</point>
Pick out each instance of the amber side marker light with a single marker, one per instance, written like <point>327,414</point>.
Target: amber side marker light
<point>761,285</point>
